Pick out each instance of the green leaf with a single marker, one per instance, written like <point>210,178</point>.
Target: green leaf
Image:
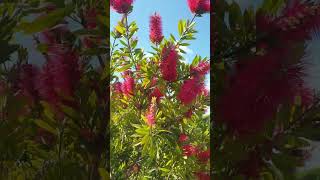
<point>104,174</point>
<point>124,68</point>
<point>45,126</point>
<point>43,48</point>
<point>180,27</point>
<point>48,21</point>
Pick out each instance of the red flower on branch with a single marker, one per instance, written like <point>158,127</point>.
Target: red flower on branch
<point>189,150</point>
<point>189,90</point>
<point>202,176</point>
<point>117,87</point>
<point>128,85</point>
<point>199,6</point>
<point>204,156</point>
<point>168,64</point>
<point>157,94</point>
<point>156,29</point>
<point>257,89</point>
<point>121,6</point>
<point>201,69</point>
<point>151,113</point>
<point>27,81</point>
<point>90,16</point>
<point>59,77</point>
<point>183,138</point>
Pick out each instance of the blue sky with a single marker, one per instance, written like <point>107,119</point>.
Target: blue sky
<point>171,11</point>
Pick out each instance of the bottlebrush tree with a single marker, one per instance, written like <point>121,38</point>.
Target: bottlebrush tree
<point>265,115</point>
<point>159,128</point>
<point>54,115</point>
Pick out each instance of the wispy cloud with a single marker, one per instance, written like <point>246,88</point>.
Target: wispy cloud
<point>187,50</point>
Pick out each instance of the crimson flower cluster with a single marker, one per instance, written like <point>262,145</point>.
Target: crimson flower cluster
<point>269,79</point>
<point>199,6</point>
<point>58,77</point>
<point>156,29</point>
<point>121,6</point>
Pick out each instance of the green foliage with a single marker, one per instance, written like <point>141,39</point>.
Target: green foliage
<point>139,151</point>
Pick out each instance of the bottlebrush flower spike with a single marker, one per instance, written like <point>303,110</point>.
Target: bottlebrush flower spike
<point>189,90</point>
<point>154,81</point>
<point>27,81</point>
<point>156,29</point>
<point>157,94</point>
<point>257,90</point>
<point>151,119</point>
<point>202,176</point>
<point>117,87</point>
<point>183,138</point>
<point>59,77</point>
<point>204,156</point>
<point>201,69</point>
<point>90,16</point>
<point>199,6</point>
<point>295,23</point>
<point>168,64</point>
<point>121,6</point>
<point>128,85</point>
<point>189,150</point>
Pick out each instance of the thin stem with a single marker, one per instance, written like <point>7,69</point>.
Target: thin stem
<point>186,30</point>
<point>60,150</point>
<point>128,38</point>
<point>112,47</point>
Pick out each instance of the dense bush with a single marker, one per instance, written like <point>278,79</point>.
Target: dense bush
<point>159,128</point>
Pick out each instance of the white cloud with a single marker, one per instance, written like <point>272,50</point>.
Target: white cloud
<point>187,50</point>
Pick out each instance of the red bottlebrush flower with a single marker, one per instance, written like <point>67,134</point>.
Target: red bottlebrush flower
<point>59,77</point>
<point>189,90</point>
<point>128,85</point>
<point>168,64</point>
<point>154,81</point>
<point>121,6</point>
<point>189,150</point>
<point>156,93</point>
<point>202,176</point>
<point>201,69</point>
<point>199,6</point>
<point>204,91</point>
<point>257,89</point>
<point>183,138</point>
<point>90,18</point>
<point>151,114</point>
<point>204,156</point>
<point>295,23</point>
<point>45,86</point>
<point>27,81</point>
<point>117,87</point>
<point>156,29</point>
<point>188,114</point>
